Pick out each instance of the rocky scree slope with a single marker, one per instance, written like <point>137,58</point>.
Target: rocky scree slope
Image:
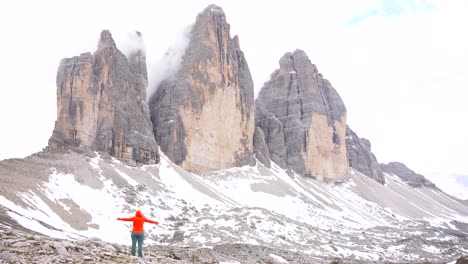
<point>24,247</point>
<point>76,197</point>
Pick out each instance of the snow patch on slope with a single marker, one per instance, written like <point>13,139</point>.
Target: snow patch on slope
<point>357,218</point>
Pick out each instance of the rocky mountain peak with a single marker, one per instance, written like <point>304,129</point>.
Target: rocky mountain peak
<point>296,61</point>
<point>106,40</point>
<point>212,14</point>
<point>235,42</point>
<point>303,120</point>
<point>211,9</point>
<point>203,118</point>
<point>101,105</point>
<point>407,175</point>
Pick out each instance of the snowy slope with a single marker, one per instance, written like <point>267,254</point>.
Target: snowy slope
<point>357,218</point>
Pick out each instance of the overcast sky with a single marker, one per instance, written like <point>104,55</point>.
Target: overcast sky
<point>399,65</point>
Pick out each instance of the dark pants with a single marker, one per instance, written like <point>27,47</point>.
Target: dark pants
<point>137,237</point>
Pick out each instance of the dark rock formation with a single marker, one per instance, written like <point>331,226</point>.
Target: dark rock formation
<point>360,156</point>
<point>410,177</point>
<point>203,117</point>
<point>462,260</point>
<point>137,62</point>
<point>260,147</point>
<point>273,135</point>
<point>303,119</point>
<point>101,104</point>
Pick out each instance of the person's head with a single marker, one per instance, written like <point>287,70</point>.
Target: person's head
<point>138,213</point>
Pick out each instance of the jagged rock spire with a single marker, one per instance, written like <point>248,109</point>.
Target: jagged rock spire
<point>101,105</point>
<point>303,119</point>
<point>106,40</point>
<point>203,118</point>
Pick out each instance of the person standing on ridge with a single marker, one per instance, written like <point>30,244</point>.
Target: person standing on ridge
<point>138,234</point>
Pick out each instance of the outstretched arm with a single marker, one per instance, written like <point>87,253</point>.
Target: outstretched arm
<point>125,219</point>
<point>151,221</point>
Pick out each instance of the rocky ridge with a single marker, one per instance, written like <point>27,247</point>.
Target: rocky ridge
<point>361,157</point>
<point>101,104</point>
<point>303,120</point>
<point>203,117</point>
<point>407,175</point>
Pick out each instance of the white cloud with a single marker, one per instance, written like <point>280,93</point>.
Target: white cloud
<point>402,81</point>
<point>166,66</point>
<point>453,184</point>
<point>130,42</point>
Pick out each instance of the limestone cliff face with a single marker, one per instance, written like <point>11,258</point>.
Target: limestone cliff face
<point>407,175</point>
<point>361,158</point>
<point>203,118</point>
<point>303,119</point>
<point>101,104</point>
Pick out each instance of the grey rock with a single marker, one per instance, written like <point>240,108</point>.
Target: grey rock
<point>109,248</point>
<point>200,255</point>
<point>60,250</point>
<point>361,158</point>
<point>177,237</point>
<point>5,244</point>
<point>210,100</point>
<point>101,105</point>
<point>273,134</point>
<point>407,175</point>
<point>137,63</point>
<point>106,40</point>
<point>21,244</point>
<point>7,257</point>
<point>260,147</point>
<point>289,107</point>
<point>46,247</point>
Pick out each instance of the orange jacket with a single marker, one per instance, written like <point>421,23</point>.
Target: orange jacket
<point>138,221</point>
